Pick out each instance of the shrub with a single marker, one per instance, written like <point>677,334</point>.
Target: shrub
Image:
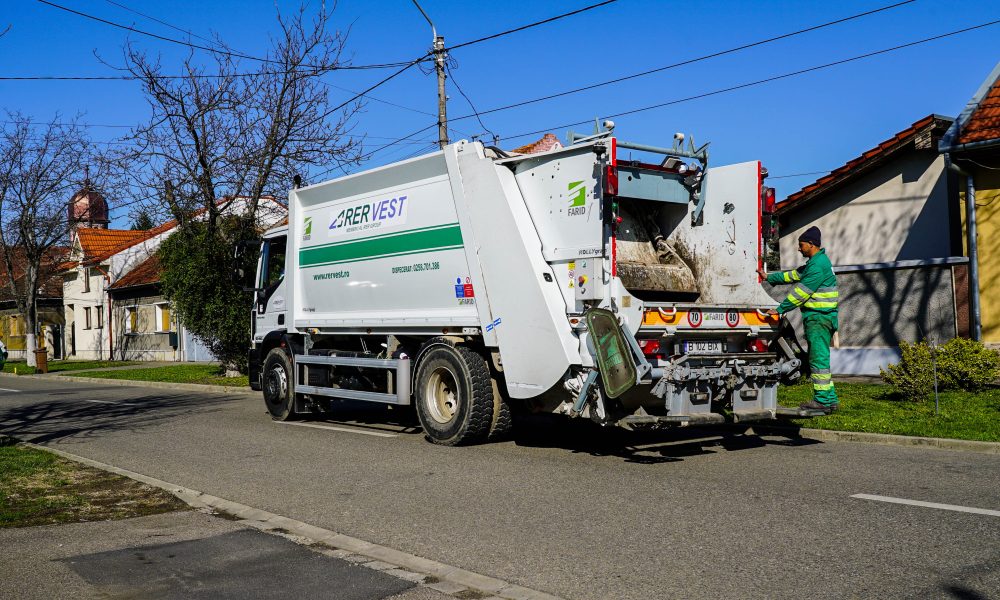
<point>197,265</point>
<point>967,365</point>
<point>913,376</point>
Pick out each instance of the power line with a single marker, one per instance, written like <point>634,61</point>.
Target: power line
<point>208,48</point>
<point>338,107</point>
<point>152,18</point>
<point>797,175</point>
<point>471,105</point>
<point>382,82</point>
<point>530,25</point>
<point>126,77</point>
<point>766,80</point>
<point>688,61</point>
<point>371,153</point>
<point>162,22</point>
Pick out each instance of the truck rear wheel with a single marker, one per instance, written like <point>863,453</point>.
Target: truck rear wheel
<point>454,396</point>
<point>277,383</point>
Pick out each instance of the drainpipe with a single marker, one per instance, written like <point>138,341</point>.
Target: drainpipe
<point>973,243</point>
<point>107,290</point>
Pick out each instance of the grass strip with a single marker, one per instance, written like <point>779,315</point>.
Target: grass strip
<point>185,373</point>
<point>57,366</point>
<point>872,408</point>
<point>39,488</point>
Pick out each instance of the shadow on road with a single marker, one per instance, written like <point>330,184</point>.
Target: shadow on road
<point>84,414</point>
<point>642,447</point>
<point>576,435</point>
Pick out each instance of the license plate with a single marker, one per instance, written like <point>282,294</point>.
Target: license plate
<point>703,347</point>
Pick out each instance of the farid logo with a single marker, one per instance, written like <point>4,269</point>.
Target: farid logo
<point>307,228</point>
<point>577,199</point>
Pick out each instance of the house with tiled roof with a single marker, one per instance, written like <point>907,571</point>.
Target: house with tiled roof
<point>49,306</point>
<point>99,258</point>
<point>972,147</point>
<point>892,229</point>
<point>145,326</point>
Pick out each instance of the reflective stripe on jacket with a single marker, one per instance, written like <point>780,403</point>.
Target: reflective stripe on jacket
<point>815,288</point>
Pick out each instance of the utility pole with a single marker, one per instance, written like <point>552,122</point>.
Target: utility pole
<point>440,55</point>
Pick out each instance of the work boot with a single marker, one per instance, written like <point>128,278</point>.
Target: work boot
<point>813,405</point>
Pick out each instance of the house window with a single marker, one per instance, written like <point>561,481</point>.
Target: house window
<point>99,311</point>
<point>163,317</point>
<point>86,317</point>
<point>86,281</point>
<point>131,320</point>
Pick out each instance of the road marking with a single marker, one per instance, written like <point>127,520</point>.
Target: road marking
<point>109,402</point>
<point>954,507</point>
<point>8,390</point>
<point>343,429</point>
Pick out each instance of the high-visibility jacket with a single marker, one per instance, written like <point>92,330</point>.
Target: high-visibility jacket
<point>815,288</point>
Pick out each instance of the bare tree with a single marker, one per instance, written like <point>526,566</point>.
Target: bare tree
<point>225,131</point>
<point>40,167</point>
<point>236,128</point>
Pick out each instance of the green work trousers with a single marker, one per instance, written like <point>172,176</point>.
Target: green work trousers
<point>819,333</point>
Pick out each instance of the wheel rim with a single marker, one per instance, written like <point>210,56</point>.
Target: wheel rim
<point>277,383</point>
<point>441,395</point>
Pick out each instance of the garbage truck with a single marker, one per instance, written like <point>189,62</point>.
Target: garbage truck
<point>606,279</point>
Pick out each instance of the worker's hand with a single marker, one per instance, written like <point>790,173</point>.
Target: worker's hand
<point>762,273</point>
<point>772,312</point>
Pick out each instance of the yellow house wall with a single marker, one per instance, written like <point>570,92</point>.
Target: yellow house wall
<point>988,237</point>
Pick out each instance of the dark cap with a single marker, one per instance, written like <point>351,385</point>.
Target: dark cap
<point>812,236</point>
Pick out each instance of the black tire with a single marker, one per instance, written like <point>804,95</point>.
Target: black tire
<point>277,383</point>
<point>454,396</point>
<point>503,420</point>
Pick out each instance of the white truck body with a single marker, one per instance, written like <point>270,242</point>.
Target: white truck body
<point>509,253</point>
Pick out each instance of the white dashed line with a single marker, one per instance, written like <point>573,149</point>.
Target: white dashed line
<point>8,390</point>
<point>952,507</point>
<point>343,429</point>
<point>109,402</point>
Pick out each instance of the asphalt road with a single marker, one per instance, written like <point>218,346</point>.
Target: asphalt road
<point>566,507</point>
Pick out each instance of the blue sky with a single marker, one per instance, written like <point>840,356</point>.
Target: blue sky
<point>812,122</point>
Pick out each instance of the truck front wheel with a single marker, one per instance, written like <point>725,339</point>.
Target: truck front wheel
<point>454,396</point>
<point>277,384</point>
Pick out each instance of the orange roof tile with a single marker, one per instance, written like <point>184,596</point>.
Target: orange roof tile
<point>98,244</point>
<point>935,125</point>
<point>548,142</point>
<point>145,273</point>
<point>984,122</point>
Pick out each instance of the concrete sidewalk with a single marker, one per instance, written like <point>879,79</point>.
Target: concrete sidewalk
<point>186,554</point>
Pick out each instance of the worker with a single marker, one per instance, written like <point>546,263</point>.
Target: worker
<point>815,293</point>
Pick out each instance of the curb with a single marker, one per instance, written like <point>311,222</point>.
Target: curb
<point>191,387</point>
<point>884,439</point>
<point>438,576</point>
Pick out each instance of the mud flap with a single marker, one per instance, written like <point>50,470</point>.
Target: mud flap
<point>614,358</point>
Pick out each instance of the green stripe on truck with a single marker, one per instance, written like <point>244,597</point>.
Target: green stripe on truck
<point>404,242</point>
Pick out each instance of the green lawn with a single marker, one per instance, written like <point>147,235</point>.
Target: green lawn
<point>873,409</point>
<point>38,488</point>
<point>184,373</point>
<point>56,366</point>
